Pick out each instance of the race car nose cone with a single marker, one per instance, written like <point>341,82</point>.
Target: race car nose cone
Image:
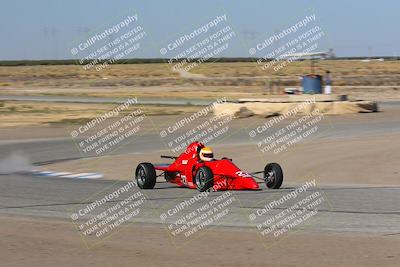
<point>253,184</point>
<point>248,183</point>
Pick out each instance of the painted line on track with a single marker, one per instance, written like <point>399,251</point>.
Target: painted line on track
<point>83,175</point>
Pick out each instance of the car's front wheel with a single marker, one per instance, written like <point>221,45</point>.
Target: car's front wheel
<point>273,175</point>
<point>146,175</point>
<point>204,178</point>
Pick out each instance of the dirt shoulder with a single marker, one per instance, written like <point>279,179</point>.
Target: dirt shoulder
<point>31,113</point>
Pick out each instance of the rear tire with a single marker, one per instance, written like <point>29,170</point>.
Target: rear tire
<point>204,178</point>
<point>273,175</point>
<point>146,175</point>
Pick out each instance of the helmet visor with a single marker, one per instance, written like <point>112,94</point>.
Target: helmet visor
<point>208,155</point>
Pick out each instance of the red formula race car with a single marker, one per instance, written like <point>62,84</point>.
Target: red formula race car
<point>197,168</point>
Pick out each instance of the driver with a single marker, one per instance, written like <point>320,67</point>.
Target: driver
<point>206,154</point>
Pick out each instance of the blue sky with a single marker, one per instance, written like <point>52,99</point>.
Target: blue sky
<point>48,29</point>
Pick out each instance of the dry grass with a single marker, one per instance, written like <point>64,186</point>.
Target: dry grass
<point>161,70</point>
<point>117,77</point>
<point>373,80</point>
<point>231,80</point>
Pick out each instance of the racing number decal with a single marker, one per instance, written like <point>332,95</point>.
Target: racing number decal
<point>183,179</point>
<point>242,174</point>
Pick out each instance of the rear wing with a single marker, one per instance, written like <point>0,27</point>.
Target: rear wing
<point>168,157</point>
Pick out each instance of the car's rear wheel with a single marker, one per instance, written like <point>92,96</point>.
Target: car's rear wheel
<point>273,175</point>
<point>204,178</point>
<point>146,175</point>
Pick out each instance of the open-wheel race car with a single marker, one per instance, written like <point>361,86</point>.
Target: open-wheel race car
<point>197,168</point>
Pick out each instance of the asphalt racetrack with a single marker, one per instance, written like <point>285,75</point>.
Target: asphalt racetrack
<point>355,209</point>
<point>367,210</point>
<point>375,208</point>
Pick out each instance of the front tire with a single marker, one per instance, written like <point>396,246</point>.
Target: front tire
<point>273,175</point>
<point>204,178</point>
<point>146,175</point>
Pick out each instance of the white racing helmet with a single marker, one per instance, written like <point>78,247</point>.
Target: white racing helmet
<point>206,154</point>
